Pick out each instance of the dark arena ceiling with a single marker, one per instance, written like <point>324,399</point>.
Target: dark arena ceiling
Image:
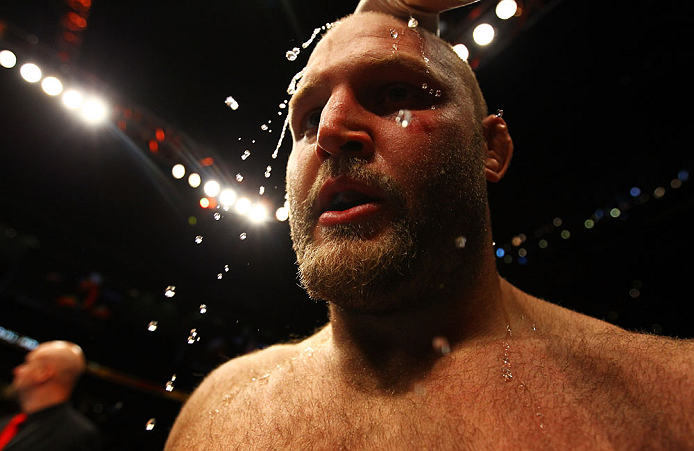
<point>595,213</point>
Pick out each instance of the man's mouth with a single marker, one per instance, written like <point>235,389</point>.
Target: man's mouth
<point>342,200</point>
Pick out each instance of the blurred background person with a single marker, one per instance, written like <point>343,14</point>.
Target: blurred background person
<point>42,386</point>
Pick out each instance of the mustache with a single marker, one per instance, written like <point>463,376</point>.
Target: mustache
<point>356,169</point>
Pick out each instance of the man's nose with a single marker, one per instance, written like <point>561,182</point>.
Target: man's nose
<point>344,128</point>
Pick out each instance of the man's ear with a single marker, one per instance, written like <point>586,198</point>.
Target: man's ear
<point>498,147</point>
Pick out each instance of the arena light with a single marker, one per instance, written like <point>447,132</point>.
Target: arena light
<point>178,171</point>
<point>506,9</point>
<point>30,72</point>
<point>51,86</point>
<point>72,99</point>
<point>282,214</point>
<point>483,34</point>
<point>94,111</point>
<point>257,213</point>
<point>227,197</point>
<point>7,59</point>
<point>194,180</point>
<point>211,188</point>
<point>462,51</point>
<point>243,206</point>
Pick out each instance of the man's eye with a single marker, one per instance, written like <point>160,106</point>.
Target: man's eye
<point>397,93</point>
<point>312,119</point>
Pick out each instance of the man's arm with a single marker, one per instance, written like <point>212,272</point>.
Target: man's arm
<point>425,11</point>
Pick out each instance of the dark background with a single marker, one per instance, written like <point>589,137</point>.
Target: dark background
<point>93,228</point>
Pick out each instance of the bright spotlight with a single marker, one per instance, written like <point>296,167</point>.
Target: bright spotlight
<point>7,59</point>
<point>211,188</point>
<point>72,99</point>
<point>94,111</point>
<point>178,171</point>
<point>506,9</point>
<point>194,180</point>
<point>52,86</point>
<point>227,197</point>
<point>30,72</point>
<point>257,213</point>
<point>243,206</point>
<point>282,214</point>
<point>483,34</point>
<point>462,51</point>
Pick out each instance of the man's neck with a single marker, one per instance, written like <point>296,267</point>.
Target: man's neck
<point>393,350</point>
<point>40,401</point>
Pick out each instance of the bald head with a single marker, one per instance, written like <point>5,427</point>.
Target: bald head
<point>65,359</point>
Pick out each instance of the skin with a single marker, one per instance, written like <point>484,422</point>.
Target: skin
<point>441,353</point>
<point>48,375</point>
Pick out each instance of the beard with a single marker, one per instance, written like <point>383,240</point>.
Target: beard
<point>379,267</point>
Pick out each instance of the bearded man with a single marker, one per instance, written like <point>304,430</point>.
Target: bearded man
<point>427,346</point>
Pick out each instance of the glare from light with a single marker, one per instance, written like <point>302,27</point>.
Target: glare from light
<point>94,111</point>
<point>506,9</point>
<point>52,86</point>
<point>7,59</point>
<point>227,197</point>
<point>194,180</point>
<point>282,214</point>
<point>257,213</point>
<point>30,72</point>
<point>178,171</point>
<point>211,188</point>
<point>462,51</point>
<point>72,99</point>
<point>483,34</point>
<point>204,202</point>
<point>243,206</point>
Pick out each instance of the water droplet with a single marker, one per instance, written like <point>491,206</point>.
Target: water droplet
<point>441,345</point>
<point>169,386</point>
<point>231,103</point>
<point>425,86</point>
<point>291,89</point>
<point>263,127</point>
<point>152,326</point>
<point>239,178</point>
<point>534,328</point>
<point>203,309</point>
<point>431,92</point>
<point>226,268</point>
<point>283,105</point>
<point>437,93</point>
<point>403,118</point>
<point>313,36</point>
<point>242,236</point>
<point>507,374</point>
<point>395,46</point>
<point>267,174</point>
<point>460,242</point>
<point>198,239</point>
<point>219,276</point>
<point>291,54</point>
<point>245,155</point>
<point>170,291</point>
<point>412,23</point>
<point>193,337</point>
<point>150,424</point>
<point>217,216</point>
<point>261,190</point>
<point>393,33</point>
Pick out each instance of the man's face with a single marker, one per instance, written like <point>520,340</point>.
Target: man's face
<point>27,373</point>
<point>374,203</point>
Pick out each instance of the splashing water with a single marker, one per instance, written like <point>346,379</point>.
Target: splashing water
<point>152,326</point>
<point>198,239</point>
<point>279,143</point>
<point>150,424</point>
<point>425,86</point>
<point>261,190</point>
<point>169,386</point>
<point>239,177</point>
<point>291,89</point>
<point>219,276</point>
<point>203,309</point>
<point>293,53</point>
<point>242,236</point>
<point>268,170</point>
<point>460,242</point>
<point>193,337</point>
<point>226,268</point>
<point>310,40</point>
<point>393,33</point>
<point>403,118</point>
<point>246,154</point>
<point>170,291</point>
<point>264,127</point>
<point>441,345</point>
<point>217,216</point>
<point>412,23</point>
<point>231,103</point>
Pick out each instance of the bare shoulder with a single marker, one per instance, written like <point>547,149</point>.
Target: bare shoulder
<point>228,380</point>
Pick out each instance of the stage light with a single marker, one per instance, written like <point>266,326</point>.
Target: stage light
<point>462,51</point>
<point>7,59</point>
<point>178,171</point>
<point>483,34</point>
<point>211,188</point>
<point>205,202</point>
<point>506,9</point>
<point>243,206</point>
<point>257,213</point>
<point>282,214</point>
<point>94,111</point>
<point>227,197</point>
<point>52,86</point>
<point>72,99</point>
<point>30,72</point>
<point>194,180</point>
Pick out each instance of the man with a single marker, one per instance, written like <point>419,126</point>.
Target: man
<point>43,385</point>
<point>427,346</point>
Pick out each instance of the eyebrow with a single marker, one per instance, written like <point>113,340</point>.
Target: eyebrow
<point>414,65</point>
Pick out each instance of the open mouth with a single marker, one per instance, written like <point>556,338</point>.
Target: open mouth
<point>344,200</point>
